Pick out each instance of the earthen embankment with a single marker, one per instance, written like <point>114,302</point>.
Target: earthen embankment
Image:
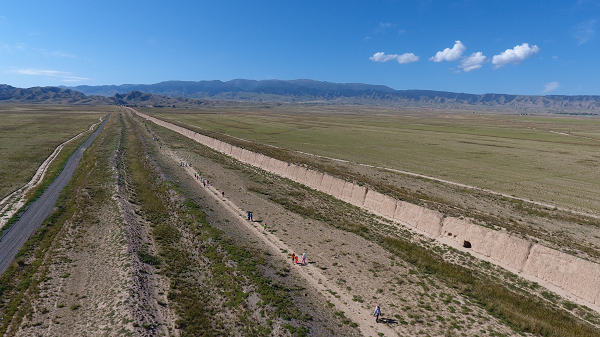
<point>572,274</point>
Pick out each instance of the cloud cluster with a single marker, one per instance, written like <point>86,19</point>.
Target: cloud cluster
<point>515,56</point>
<point>467,63</point>
<point>64,76</point>
<point>449,54</point>
<point>402,59</point>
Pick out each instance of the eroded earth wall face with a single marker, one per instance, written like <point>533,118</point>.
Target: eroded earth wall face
<point>337,188</point>
<point>373,201</point>
<point>575,275</point>
<point>388,206</point>
<point>498,245</point>
<point>580,277</point>
<point>429,221</point>
<point>326,184</point>
<point>358,195</point>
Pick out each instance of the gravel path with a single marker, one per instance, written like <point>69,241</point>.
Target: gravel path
<point>15,237</point>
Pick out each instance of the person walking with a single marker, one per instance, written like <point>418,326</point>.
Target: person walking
<point>293,256</point>
<point>223,194</point>
<point>377,313</point>
<point>304,258</point>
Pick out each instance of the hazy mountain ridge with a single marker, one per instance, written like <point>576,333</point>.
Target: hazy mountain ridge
<point>56,95</point>
<point>189,94</point>
<point>309,90</point>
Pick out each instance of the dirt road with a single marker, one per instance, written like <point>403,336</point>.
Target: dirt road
<point>13,239</point>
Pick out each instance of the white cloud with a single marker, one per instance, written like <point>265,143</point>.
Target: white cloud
<point>449,54</point>
<point>382,57</point>
<point>63,75</point>
<point>407,58</point>
<point>472,62</point>
<point>402,59</point>
<point>515,56</point>
<point>550,86</point>
<point>584,31</point>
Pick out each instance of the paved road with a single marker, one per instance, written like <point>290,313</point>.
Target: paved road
<point>15,237</point>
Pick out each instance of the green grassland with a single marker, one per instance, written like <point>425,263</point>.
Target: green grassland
<point>520,155</point>
<point>29,134</point>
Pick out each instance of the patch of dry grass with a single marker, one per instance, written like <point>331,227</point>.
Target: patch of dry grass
<point>29,134</point>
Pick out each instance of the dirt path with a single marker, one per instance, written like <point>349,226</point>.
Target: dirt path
<point>10,204</point>
<point>95,283</point>
<point>310,273</point>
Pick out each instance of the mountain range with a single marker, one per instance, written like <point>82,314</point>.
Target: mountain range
<point>340,93</point>
<point>56,95</point>
<point>189,94</point>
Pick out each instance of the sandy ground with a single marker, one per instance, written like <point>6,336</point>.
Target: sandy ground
<point>348,271</point>
<point>95,284</point>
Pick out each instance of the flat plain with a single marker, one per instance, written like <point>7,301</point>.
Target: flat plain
<point>140,237</point>
<point>29,134</point>
<point>544,157</point>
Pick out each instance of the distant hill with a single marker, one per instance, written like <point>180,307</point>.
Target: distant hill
<point>55,95</point>
<point>337,93</point>
<point>48,95</point>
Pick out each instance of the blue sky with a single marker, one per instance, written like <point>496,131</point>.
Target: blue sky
<point>505,46</point>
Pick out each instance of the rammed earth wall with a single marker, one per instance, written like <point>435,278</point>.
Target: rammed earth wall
<point>574,275</point>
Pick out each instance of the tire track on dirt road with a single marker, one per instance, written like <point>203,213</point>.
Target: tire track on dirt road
<point>15,237</point>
